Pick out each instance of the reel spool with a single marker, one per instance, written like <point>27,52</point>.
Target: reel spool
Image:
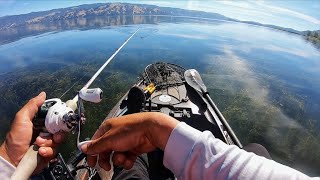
<point>55,115</point>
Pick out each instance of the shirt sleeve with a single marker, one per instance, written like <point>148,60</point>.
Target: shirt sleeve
<point>191,154</point>
<point>6,169</point>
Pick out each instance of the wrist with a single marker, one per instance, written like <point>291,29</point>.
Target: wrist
<point>4,154</point>
<point>159,128</point>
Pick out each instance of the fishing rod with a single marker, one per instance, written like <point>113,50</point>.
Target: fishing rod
<point>105,64</point>
<point>54,116</point>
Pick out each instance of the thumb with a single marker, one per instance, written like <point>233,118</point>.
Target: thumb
<point>31,108</point>
<point>39,100</point>
<point>27,113</point>
<point>33,105</point>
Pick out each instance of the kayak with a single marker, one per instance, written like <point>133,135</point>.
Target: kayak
<point>169,89</point>
<point>164,88</point>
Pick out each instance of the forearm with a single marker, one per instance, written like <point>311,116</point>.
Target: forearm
<point>192,154</point>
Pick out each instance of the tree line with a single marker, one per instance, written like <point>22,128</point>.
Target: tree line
<point>313,37</point>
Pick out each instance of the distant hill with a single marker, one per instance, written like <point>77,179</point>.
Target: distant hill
<point>311,33</point>
<point>91,10</point>
<point>313,37</point>
<point>290,30</point>
<point>113,9</point>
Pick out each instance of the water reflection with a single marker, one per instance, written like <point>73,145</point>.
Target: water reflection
<point>266,85</point>
<point>16,33</point>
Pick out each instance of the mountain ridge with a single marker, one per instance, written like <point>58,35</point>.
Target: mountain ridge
<point>99,9</point>
<point>103,9</point>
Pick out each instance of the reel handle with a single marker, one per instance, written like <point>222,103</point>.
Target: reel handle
<point>91,95</point>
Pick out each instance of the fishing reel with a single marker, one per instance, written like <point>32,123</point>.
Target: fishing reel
<point>54,115</point>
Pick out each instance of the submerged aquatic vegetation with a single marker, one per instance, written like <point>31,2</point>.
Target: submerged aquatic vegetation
<point>265,86</point>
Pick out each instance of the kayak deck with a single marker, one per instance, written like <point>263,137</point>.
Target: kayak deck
<point>162,88</point>
<point>172,96</point>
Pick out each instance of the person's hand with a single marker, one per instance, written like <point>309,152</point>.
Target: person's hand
<point>19,137</point>
<point>129,136</point>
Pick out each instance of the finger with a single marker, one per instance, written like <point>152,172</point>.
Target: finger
<point>91,160</point>
<point>104,161</point>
<point>39,100</point>
<point>102,144</point>
<point>131,159</point>
<point>33,105</point>
<point>45,142</point>
<point>47,152</point>
<point>97,146</point>
<point>59,137</point>
<point>118,158</point>
<point>125,160</point>
<point>31,108</point>
<point>104,127</point>
<point>128,164</point>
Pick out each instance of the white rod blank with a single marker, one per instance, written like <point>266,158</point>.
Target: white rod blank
<point>104,65</point>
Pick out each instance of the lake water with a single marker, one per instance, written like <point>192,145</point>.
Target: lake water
<point>266,82</point>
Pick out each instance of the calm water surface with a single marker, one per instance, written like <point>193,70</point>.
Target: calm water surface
<point>266,82</point>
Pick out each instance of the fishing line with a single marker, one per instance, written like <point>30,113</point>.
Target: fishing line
<point>76,99</point>
<point>30,160</point>
<point>104,65</point>
<point>100,68</point>
<point>73,85</point>
<point>149,32</point>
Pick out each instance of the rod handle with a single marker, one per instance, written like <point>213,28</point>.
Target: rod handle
<point>27,164</point>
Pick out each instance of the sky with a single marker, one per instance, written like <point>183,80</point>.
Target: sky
<point>296,14</point>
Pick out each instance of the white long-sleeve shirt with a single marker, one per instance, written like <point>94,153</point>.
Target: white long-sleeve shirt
<point>191,154</point>
<point>6,169</point>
